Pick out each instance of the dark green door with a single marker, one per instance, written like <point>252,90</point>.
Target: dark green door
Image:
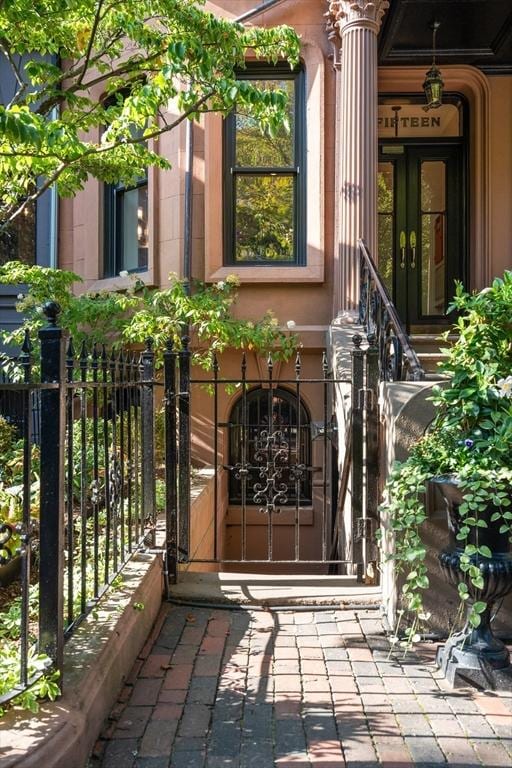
<point>421,228</point>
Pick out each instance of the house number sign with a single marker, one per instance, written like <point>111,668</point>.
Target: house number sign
<point>411,120</point>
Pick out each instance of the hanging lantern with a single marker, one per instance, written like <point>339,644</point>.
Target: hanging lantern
<point>433,84</point>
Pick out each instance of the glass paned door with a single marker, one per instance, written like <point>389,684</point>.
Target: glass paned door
<point>420,234</point>
<point>433,239</point>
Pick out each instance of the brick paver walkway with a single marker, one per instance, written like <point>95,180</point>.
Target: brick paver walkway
<point>292,689</point>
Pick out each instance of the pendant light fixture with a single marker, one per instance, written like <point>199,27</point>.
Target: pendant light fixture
<point>433,85</point>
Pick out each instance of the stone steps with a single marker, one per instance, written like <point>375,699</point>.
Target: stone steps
<point>428,348</point>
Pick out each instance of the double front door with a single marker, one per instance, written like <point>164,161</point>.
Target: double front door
<point>421,228</point>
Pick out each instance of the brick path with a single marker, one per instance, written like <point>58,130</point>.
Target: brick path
<point>290,689</point>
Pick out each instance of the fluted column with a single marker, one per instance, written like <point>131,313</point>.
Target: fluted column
<point>358,23</point>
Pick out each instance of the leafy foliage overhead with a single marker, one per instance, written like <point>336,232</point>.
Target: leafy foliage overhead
<point>96,82</point>
<point>139,313</point>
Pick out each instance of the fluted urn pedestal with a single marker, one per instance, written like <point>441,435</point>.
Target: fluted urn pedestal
<point>475,656</point>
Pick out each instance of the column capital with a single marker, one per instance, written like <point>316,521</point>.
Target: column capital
<point>345,14</point>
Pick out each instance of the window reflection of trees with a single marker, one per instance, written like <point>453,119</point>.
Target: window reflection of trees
<point>265,178</point>
<point>386,208</point>
<point>18,241</point>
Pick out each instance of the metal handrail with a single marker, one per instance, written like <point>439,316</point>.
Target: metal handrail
<point>379,316</point>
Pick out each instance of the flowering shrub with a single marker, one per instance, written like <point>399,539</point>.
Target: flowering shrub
<point>140,312</point>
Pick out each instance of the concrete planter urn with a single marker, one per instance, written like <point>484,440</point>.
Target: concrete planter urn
<point>475,655</point>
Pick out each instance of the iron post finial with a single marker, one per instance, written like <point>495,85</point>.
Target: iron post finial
<point>357,340</point>
<point>185,340</point>
<point>51,311</point>
<point>169,345</point>
<point>149,344</point>
<point>372,339</point>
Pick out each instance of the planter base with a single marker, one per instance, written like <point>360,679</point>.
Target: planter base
<point>462,667</point>
<point>10,572</point>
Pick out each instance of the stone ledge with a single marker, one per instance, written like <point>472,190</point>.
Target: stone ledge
<point>98,658</point>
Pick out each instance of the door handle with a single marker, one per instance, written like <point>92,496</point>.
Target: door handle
<point>412,243</point>
<point>403,244</point>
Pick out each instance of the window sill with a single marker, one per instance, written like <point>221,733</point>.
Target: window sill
<point>255,517</point>
<point>118,283</point>
<point>269,274</point>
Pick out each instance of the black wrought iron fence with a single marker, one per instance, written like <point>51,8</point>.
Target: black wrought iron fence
<point>273,464</point>
<point>82,500</point>
<point>13,406</point>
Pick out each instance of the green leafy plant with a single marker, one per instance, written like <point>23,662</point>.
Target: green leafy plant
<point>100,111</point>
<point>45,684</point>
<point>140,312</point>
<point>44,687</point>
<point>470,440</point>
<point>11,482</point>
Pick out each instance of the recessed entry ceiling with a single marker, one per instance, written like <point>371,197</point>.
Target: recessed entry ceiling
<point>477,32</point>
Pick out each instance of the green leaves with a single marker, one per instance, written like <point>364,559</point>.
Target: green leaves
<point>485,551</point>
<point>141,312</point>
<point>470,439</point>
<point>19,125</point>
<point>170,59</point>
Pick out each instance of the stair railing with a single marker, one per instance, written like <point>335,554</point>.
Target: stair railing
<point>397,359</point>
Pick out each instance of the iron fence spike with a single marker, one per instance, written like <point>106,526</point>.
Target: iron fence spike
<point>27,344</point>
<point>70,351</point>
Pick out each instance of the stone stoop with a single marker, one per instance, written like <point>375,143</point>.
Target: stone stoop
<point>254,590</point>
<point>428,348</point>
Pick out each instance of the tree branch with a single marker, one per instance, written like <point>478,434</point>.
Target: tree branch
<point>17,74</point>
<point>97,19</point>
<point>99,151</point>
<point>34,196</point>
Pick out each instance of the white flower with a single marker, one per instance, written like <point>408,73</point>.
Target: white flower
<point>20,296</point>
<point>221,284</point>
<point>124,273</point>
<point>291,325</point>
<point>505,387</point>
<point>485,290</point>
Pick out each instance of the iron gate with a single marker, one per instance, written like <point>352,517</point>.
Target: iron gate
<point>272,444</point>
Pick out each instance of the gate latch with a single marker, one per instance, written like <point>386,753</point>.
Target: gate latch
<point>365,528</point>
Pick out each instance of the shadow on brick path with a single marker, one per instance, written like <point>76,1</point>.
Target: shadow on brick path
<point>293,689</point>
